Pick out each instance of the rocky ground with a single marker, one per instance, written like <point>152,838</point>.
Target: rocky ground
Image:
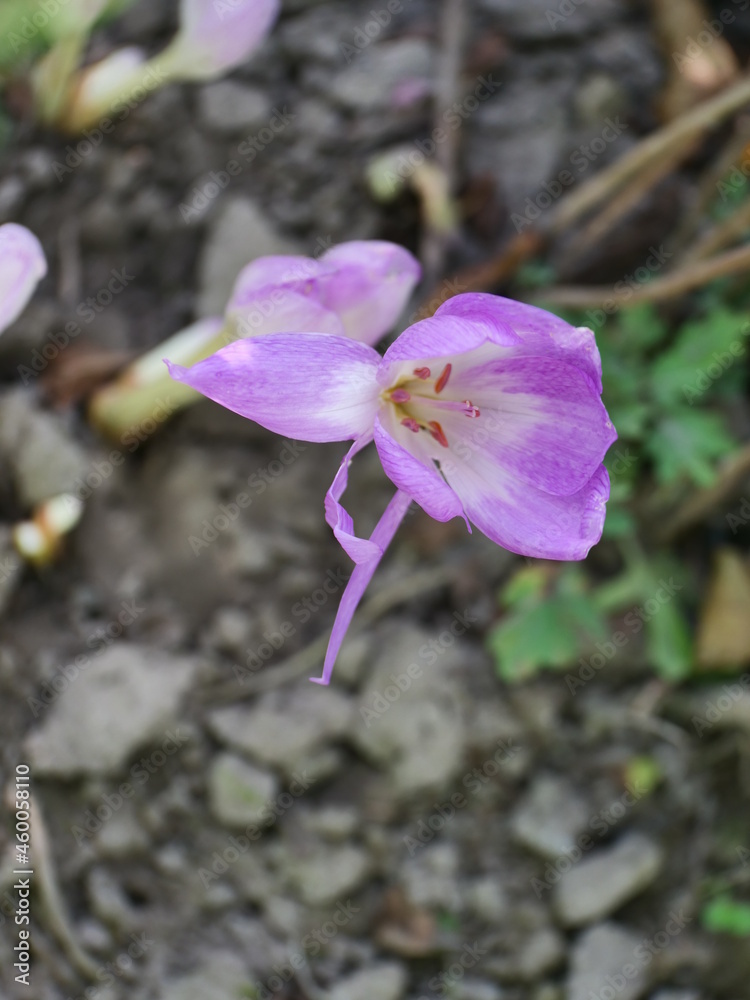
<point>209,825</point>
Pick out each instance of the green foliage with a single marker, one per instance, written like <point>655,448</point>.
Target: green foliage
<point>666,389</point>
<point>724,915</point>
<point>549,621</point>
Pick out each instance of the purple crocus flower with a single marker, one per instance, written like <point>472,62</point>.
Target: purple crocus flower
<point>22,266</point>
<point>357,289</point>
<point>490,411</point>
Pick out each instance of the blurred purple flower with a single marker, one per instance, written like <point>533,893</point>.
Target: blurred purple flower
<point>214,37</point>
<point>490,411</point>
<point>217,35</point>
<point>22,266</point>
<point>356,289</point>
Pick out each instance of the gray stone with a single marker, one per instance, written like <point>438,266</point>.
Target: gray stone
<point>228,107</point>
<point>488,899</point>
<point>238,792</point>
<point>239,234</point>
<point>123,834</point>
<point>419,734</point>
<point>369,82</point>
<point>11,568</point>
<point>383,981</point>
<point>601,952</point>
<point>550,817</point>
<point>285,727</point>
<point>540,955</point>
<point>44,461</point>
<point>605,880</point>
<point>477,989</point>
<point>221,977</point>
<point>328,874</point>
<point>542,19</point>
<point>125,698</point>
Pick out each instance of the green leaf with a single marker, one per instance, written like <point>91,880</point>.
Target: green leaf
<point>641,327</point>
<point>724,915</point>
<point>550,632</point>
<point>704,350</point>
<point>668,642</point>
<point>688,444</point>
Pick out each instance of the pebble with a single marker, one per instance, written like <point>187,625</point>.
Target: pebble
<point>329,874</point>
<point>284,728</point>
<point>535,20</point>
<point>240,233</point>
<point>238,792</point>
<point>550,817</point>
<point>228,107</point>
<point>221,977</point>
<point>369,82</point>
<point>604,960</point>
<point>121,701</point>
<point>603,881</point>
<point>417,734</point>
<point>43,458</point>
<point>383,981</point>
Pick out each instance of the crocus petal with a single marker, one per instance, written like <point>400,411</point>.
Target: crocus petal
<point>541,420</point>
<point>380,539</point>
<point>366,283</point>
<point>358,549</point>
<point>309,386</point>
<point>272,271</point>
<point>439,337</point>
<point>375,281</point>
<point>416,476</point>
<point>280,310</point>
<point>527,520</point>
<point>540,332</point>
<point>22,266</point>
<point>215,37</point>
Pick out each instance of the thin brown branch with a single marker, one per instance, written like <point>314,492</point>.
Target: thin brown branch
<point>689,125</point>
<point>685,280</point>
